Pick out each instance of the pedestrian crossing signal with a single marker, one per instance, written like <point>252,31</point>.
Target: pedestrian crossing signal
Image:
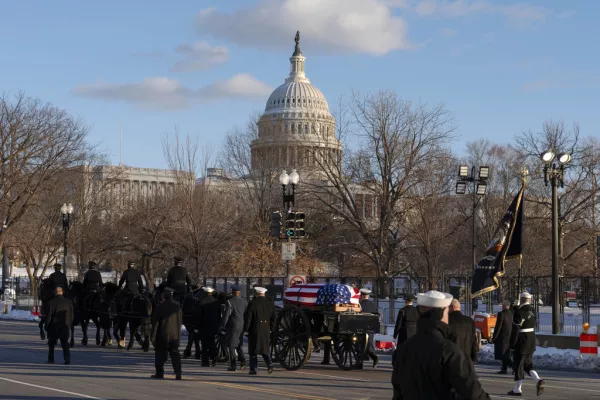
<point>276,224</point>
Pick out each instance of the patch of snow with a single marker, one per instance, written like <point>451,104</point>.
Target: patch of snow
<point>19,315</point>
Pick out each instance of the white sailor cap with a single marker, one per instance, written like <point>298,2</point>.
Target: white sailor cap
<point>365,291</point>
<point>434,299</point>
<point>525,295</point>
<point>208,289</point>
<point>259,289</point>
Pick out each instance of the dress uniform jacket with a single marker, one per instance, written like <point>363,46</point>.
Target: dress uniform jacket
<point>258,321</point>
<point>502,334</point>
<point>462,332</point>
<point>428,366</point>
<point>60,318</point>
<point>92,280</point>
<point>368,306</point>
<point>133,280</point>
<point>166,325</point>
<point>523,333</point>
<point>59,279</point>
<point>406,323</point>
<point>208,313</point>
<point>233,320</point>
<point>179,280</point>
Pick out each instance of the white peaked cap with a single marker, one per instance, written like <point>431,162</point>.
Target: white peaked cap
<point>525,295</point>
<point>208,289</point>
<point>365,291</point>
<point>259,289</point>
<point>434,299</point>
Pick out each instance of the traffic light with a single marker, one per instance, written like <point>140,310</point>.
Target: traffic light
<point>276,224</point>
<point>294,225</point>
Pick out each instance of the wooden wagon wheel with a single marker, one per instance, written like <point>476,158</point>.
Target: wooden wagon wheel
<point>222,352</point>
<point>292,339</point>
<point>348,351</point>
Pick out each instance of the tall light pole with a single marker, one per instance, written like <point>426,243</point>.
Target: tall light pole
<point>554,173</point>
<point>289,200</point>
<point>479,189</point>
<point>67,211</point>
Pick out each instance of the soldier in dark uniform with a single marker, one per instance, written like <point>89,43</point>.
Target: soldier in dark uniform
<point>502,335</point>
<point>58,324</point>
<point>428,366</point>
<point>58,278</point>
<point>523,341</point>
<point>232,327</point>
<point>165,334</point>
<point>208,313</point>
<point>369,307</point>
<point>132,279</point>
<point>463,331</point>
<point>258,322</point>
<point>406,322</point>
<point>179,280</point>
<point>92,280</point>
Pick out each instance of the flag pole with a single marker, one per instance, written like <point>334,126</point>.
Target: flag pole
<point>524,173</point>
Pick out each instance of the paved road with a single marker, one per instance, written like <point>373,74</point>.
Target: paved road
<point>109,373</point>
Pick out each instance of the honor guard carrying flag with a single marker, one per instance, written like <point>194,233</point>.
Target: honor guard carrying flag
<point>179,280</point>
<point>132,278</point>
<point>92,280</point>
<point>406,322</point>
<point>368,306</point>
<point>58,324</point>
<point>258,321</point>
<point>232,327</point>
<point>523,341</point>
<point>208,312</point>
<point>165,334</point>
<point>58,278</point>
<point>428,366</point>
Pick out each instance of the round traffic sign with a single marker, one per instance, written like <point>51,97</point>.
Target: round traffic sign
<point>297,280</point>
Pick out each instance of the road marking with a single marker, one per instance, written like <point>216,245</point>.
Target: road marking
<point>332,376</point>
<point>52,389</point>
<point>256,389</point>
<point>553,387</point>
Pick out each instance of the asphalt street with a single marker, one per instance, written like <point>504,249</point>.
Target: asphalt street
<point>110,373</point>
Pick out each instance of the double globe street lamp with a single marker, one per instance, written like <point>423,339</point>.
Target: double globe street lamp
<point>554,174</point>
<point>67,211</point>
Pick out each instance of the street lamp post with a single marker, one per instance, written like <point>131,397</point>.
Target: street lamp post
<point>67,211</point>
<point>289,199</point>
<point>554,173</point>
<point>479,189</point>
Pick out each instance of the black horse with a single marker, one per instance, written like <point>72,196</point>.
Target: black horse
<point>87,308</point>
<point>135,311</point>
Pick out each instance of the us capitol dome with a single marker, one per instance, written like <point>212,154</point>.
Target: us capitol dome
<point>296,130</point>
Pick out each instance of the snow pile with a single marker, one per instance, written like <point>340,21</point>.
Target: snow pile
<point>551,358</point>
<point>19,315</point>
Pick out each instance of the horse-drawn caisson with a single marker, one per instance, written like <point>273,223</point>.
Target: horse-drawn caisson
<point>324,313</point>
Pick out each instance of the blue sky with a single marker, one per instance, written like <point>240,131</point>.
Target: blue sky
<point>203,66</point>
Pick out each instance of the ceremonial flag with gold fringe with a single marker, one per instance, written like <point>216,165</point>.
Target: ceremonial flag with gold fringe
<point>507,244</point>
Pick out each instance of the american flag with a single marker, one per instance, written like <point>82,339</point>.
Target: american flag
<point>322,294</point>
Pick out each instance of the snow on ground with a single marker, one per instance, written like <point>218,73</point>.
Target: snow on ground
<point>19,315</point>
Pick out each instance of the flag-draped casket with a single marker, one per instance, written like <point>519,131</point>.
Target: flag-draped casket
<point>322,294</point>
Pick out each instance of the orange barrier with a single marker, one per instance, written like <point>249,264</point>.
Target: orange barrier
<point>384,345</point>
<point>588,344</point>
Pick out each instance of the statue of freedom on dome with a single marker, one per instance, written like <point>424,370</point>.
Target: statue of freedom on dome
<point>297,38</point>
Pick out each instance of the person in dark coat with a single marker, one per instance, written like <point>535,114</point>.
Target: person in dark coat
<point>58,278</point>
<point>165,334</point>
<point>463,331</point>
<point>58,324</point>
<point>232,328</point>
<point>428,366</point>
<point>502,335</point>
<point>406,322</point>
<point>132,278</point>
<point>208,313</point>
<point>368,306</point>
<point>179,280</point>
<point>92,280</point>
<point>523,341</point>
<point>258,322</point>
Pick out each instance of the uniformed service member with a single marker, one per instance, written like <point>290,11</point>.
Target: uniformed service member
<point>523,341</point>
<point>58,278</point>
<point>92,280</point>
<point>258,321</point>
<point>208,313</point>
<point>428,366</point>
<point>502,335</point>
<point>132,278</point>
<point>58,324</point>
<point>406,322</point>
<point>232,328</point>
<point>179,280</point>
<point>165,334</point>
<point>369,306</point>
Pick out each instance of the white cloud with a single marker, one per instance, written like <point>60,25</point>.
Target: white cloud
<point>351,26</point>
<point>168,94</point>
<point>200,56</point>
<point>462,8</point>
